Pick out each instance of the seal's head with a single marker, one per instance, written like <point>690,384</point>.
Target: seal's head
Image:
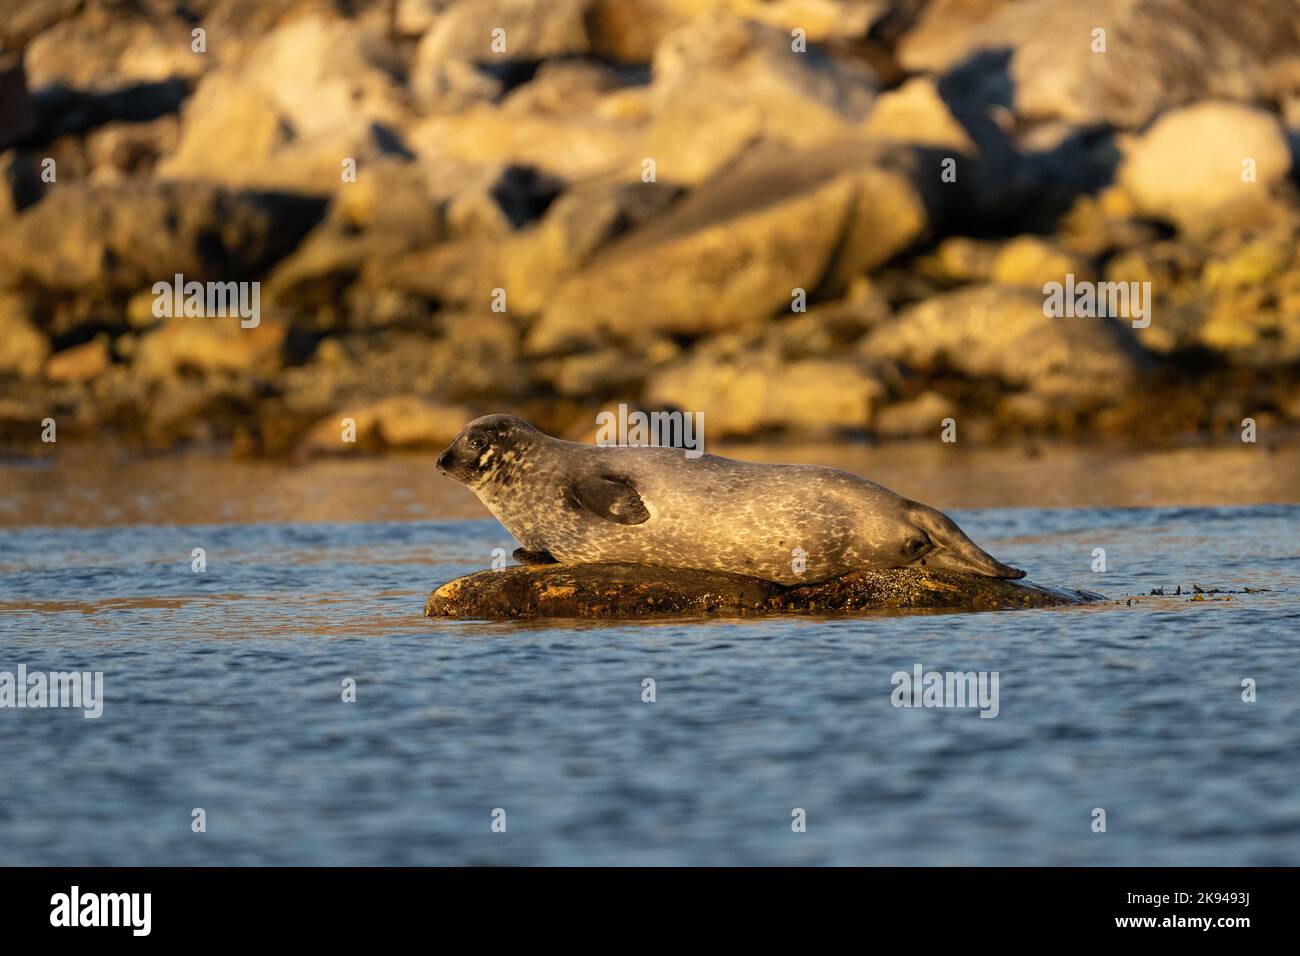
<point>489,449</point>
<point>932,539</point>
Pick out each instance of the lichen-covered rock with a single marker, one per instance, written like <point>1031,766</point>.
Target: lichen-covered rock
<point>634,590</point>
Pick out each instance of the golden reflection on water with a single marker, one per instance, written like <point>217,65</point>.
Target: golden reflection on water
<point>82,487</point>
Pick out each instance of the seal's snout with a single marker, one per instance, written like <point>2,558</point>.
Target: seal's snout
<point>444,461</point>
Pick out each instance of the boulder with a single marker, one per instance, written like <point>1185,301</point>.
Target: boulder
<point>759,391</point>
<point>1000,333</point>
<point>530,30</point>
<point>307,96</point>
<point>572,147</point>
<point>81,362</point>
<point>403,421</point>
<point>576,227</point>
<point>640,591</point>
<point>25,346</point>
<point>107,47</point>
<point>916,113</point>
<point>1191,164</point>
<point>1038,56</point>
<point>21,20</point>
<point>121,238</point>
<point>1031,262</point>
<point>721,84</point>
<point>211,347</point>
<point>732,253</point>
<point>917,417</point>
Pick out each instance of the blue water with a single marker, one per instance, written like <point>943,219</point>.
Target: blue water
<point>223,692</point>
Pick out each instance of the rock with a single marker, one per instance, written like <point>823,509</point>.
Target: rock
<point>402,421</point>
<point>630,30</point>
<point>108,47</point>
<point>387,212</point>
<point>500,201</point>
<point>733,252</point>
<point>823,21</point>
<point>25,347</point>
<point>919,416</point>
<point>1000,333</point>
<point>1038,57</point>
<point>916,113</point>
<point>1103,224</point>
<point>478,355</point>
<point>118,150</point>
<point>452,86</point>
<point>81,362</point>
<point>17,116</point>
<point>211,347</point>
<point>760,391</point>
<point>1189,166</point>
<point>125,237</point>
<point>721,84</point>
<point>581,222</point>
<point>532,30</point>
<point>186,410</point>
<point>307,96</point>
<point>831,328</point>
<point>21,20</point>
<point>461,274</point>
<point>571,147</point>
<point>606,372</point>
<point>412,18</point>
<point>1257,262</point>
<point>567,87</point>
<point>636,591</point>
<point>959,259</point>
<point>475,358</point>
<point>1249,295</point>
<point>1032,262</point>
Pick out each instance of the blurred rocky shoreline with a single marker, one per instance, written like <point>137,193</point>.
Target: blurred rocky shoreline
<point>803,218</point>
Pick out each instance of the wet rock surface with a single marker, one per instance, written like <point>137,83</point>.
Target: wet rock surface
<point>639,591</point>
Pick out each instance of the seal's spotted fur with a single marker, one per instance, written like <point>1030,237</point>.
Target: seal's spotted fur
<point>584,503</point>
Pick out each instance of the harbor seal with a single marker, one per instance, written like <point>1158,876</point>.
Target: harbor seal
<point>793,524</point>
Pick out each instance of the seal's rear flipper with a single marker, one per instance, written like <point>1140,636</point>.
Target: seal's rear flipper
<point>609,497</point>
<point>956,552</point>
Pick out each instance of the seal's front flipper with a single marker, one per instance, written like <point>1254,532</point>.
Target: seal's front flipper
<point>953,550</point>
<point>609,497</point>
<point>524,556</point>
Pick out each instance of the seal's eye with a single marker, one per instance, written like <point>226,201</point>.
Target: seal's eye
<point>917,546</point>
<point>478,443</point>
